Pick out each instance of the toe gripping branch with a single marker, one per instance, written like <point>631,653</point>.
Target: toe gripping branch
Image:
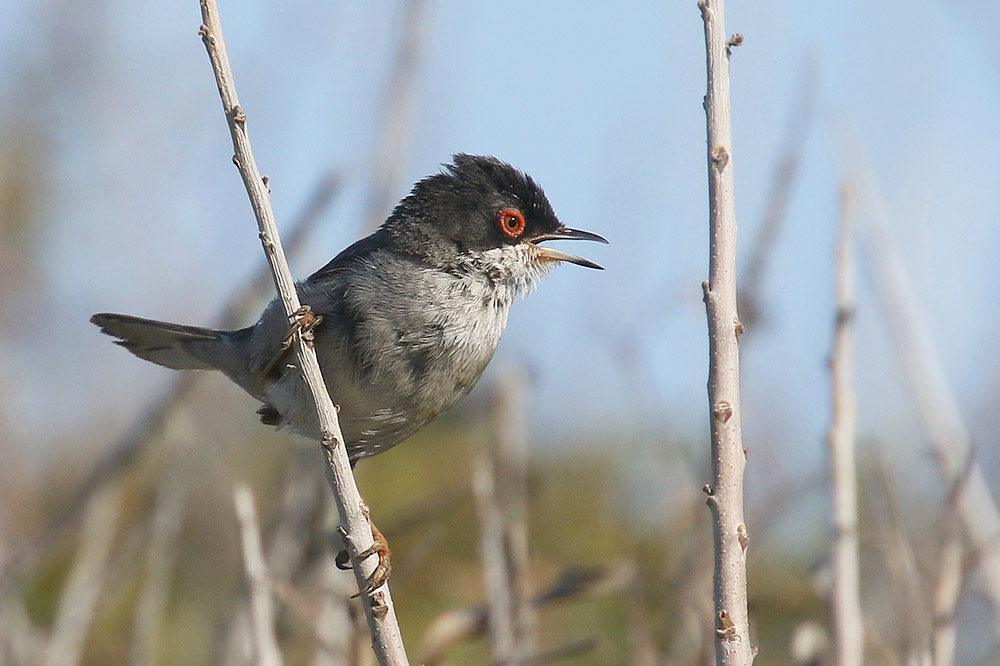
<point>304,323</point>
<point>380,547</point>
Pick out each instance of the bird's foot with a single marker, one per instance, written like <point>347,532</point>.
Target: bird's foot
<point>378,577</point>
<point>304,323</point>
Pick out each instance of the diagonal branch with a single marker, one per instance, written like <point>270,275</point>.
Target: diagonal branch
<point>386,639</point>
<point>732,642</point>
<point>83,587</point>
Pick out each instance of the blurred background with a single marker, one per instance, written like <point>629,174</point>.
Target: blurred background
<point>118,540</point>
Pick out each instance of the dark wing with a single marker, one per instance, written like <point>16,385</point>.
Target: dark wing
<point>358,251</point>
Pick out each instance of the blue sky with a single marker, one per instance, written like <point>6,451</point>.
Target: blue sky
<point>143,212</point>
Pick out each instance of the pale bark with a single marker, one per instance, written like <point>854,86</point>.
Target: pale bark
<point>265,641</point>
<point>732,632</point>
<point>845,596</point>
<point>386,639</point>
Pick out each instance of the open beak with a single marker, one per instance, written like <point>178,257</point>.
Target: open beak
<point>565,233</point>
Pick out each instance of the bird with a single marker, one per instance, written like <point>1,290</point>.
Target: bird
<point>404,321</point>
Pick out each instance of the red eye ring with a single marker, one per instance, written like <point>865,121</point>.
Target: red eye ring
<point>511,222</point>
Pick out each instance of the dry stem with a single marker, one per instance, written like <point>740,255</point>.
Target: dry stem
<point>83,588</point>
<point>386,639</point>
<point>933,398</point>
<point>845,598</point>
<point>500,486</point>
<point>732,645</point>
<point>261,601</point>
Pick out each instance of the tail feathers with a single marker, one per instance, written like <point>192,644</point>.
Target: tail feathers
<point>170,345</point>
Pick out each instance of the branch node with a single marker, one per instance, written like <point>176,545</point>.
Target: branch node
<point>735,40</point>
<point>844,316</point>
<point>722,411</point>
<point>379,607</point>
<point>265,240</point>
<point>743,536</point>
<point>705,291</point>
<point>267,182</point>
<point>203,33</point>
<point>726,628</point>
<point>705,11</point>
<point>707,489</point>
<point>329,440</point>
<point>738,327</point>
<point>239,117</point>
<point>720,157</point>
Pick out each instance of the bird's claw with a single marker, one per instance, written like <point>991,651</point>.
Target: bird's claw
<point>304,323</point>
<point>378,578</point>
<point>379,547</point>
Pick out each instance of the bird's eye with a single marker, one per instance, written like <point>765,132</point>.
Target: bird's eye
<point>511,222</point>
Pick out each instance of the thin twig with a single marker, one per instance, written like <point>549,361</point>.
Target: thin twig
<point>494,561</point>
<point>499,482</point>
<point>779,192</point>
<point>261,600</point>
<point>946,594</point>
<point>845,597</point>
<point>21,642</point>
<point>83,588</point>
<point>127,449</point>
<point>923,371</point>
<point>332,625</point>
<point>165,530</point>
<point>455,626</point>
<point>732,645</point>
<point>573,649</point>
<point>906,585</point>
<point>395,128</point>
<point>386,638</point>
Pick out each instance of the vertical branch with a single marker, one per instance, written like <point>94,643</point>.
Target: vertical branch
<point>500,485</point>
<point>265,641</point>
<point>495,570</point>
<point>510,448</point>
<point>732,646</point>
<point>386,638</point>
<point>846,602</point>
<point>935,402</point>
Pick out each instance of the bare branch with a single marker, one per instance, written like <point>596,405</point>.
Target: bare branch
<point>386,639</point>
<point>163,542</point>
<point>779,191</point>
<point>935,403</point>
<point>123,452</point>
<point>495,569</point>
<point>83,588</point>
<point>732,645</point>
<point>452,627</point>
<point>500,488</point>
<point>946,594</point>
<point>396,123</point>
<point>261,602</point>
<point>845,597</point>
<point>907,587</point>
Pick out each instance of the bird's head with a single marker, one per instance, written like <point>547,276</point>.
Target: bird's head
<point>482,212</point>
